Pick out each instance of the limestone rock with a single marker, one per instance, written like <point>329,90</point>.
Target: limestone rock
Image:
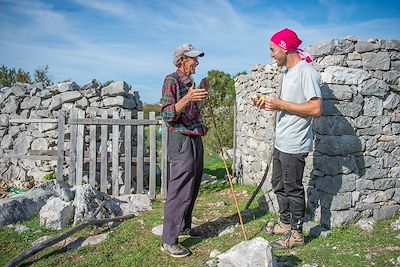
<point>255,252</point>
<point>118,88</point>
<point>342,75</point>
<point>56,214</point>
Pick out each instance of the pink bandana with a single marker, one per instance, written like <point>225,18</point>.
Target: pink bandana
<point>288,40</point>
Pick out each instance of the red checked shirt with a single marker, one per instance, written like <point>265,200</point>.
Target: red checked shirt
<point>188,122</point>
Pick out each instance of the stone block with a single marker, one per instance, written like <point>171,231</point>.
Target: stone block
<point>373,87</point>
<point>343,75</point>
<point>339,145</point>
<point>376,61</point>
<point>385,212</point>
<point>373,106</point>
<point>56,214</point>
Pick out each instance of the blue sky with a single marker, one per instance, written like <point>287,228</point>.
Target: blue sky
<point>134,41</point>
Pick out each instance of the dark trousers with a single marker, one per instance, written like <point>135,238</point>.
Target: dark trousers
<point>287,176</point>
<point>186,156</point>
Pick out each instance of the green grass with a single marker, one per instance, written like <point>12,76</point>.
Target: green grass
<point>214,165</point>
<point>133,244</point>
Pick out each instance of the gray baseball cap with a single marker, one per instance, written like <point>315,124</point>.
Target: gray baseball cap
<point>187,50</point>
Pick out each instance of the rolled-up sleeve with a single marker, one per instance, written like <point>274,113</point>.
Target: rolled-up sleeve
<point>168,99</point>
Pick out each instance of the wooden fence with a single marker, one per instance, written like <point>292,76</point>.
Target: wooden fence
<point>79,154</point>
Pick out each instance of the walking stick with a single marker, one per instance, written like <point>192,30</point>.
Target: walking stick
<point>206,84</point>
<point>278,95</point>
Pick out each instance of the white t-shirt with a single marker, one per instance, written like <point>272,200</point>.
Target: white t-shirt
<point>294,133</point>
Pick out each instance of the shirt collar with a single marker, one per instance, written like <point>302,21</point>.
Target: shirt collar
<point>186,79</point>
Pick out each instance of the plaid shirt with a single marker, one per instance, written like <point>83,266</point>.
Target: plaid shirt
<point>188,122</point>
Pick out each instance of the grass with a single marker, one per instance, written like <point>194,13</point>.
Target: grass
<point>214,165</point>
<point>133,244</point>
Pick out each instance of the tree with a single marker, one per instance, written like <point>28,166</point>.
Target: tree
<point>223,89</point>
<point>221,103</point>
<point>41,75</point>
<point>23,77</point>
<point>7,76</point>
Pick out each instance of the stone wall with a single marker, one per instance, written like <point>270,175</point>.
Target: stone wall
<point>354,169</point>
<point>23,101</point>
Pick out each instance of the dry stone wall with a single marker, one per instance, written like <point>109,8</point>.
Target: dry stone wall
<point>354,169</point>
<point>26,101</point>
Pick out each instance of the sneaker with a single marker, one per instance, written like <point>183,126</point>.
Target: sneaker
<point>175,250</point>
<point>292,238</point>
<point>192,233</point>
<point>278,229</point>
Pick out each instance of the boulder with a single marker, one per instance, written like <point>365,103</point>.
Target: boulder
<point>255,252</point>
<point>56,214</point>
<point>22,207</point>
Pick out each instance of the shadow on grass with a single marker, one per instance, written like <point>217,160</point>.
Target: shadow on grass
<point>214,228</point>
<point>219,172</point>
<point>288,260</point>
<point>57,251</point>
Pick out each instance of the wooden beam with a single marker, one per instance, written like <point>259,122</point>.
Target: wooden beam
<point>140,154</point>
<point>128,154</point>
<point>115,156</point>
<point>72,150</point>
<point>113,121</point>
<point>60,147</point>
<point>33,121</point>
<point>153,157</point>
<point>103,154</point>
<point>80,140</point>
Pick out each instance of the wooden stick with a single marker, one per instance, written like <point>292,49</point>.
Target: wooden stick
<point>47,243</point>
<point>228,173</point>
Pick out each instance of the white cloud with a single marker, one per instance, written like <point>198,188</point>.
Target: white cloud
<point>114,8</point>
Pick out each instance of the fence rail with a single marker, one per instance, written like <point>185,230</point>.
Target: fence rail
<point>85,148</point>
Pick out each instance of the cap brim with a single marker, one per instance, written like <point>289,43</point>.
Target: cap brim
<point>194,53</point>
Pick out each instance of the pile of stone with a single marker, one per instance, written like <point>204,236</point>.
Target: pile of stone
<point>26,101</point>
<point>58,204</point>
<point>354,169</point>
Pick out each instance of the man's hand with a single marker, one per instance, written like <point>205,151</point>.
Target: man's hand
<point>272,104</point>
<point>311,108</point>
<point>258,100</point>
<point>195,94</point>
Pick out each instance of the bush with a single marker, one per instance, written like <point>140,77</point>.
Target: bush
<point>9,76</point>
<point>41,75</point>
<point>220,104</point>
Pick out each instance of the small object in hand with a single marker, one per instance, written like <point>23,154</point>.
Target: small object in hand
<point>261,101</point>
<point>255,98</point>
<point>205,84</point>
<point>258,100</point>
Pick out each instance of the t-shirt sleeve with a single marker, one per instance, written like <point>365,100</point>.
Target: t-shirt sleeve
<point>311,83</point>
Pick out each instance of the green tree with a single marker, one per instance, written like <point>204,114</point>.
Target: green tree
<point>7,76</point>
<point>220,106</point>
<point>41,75</point>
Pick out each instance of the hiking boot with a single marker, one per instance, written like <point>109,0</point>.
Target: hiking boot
<point>175,250</point>
<point>292,238</point>
<point>278,229</point>
<point>192,233</point>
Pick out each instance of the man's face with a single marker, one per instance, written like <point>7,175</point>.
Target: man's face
<point>278,54</point>
<point>190,64</point>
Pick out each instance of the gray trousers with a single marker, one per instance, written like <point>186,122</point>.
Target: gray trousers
<point>287,182</point>
<point>186,156</point>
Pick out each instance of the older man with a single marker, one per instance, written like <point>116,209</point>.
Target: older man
<point>300,101</point>
<point>181,112</point>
